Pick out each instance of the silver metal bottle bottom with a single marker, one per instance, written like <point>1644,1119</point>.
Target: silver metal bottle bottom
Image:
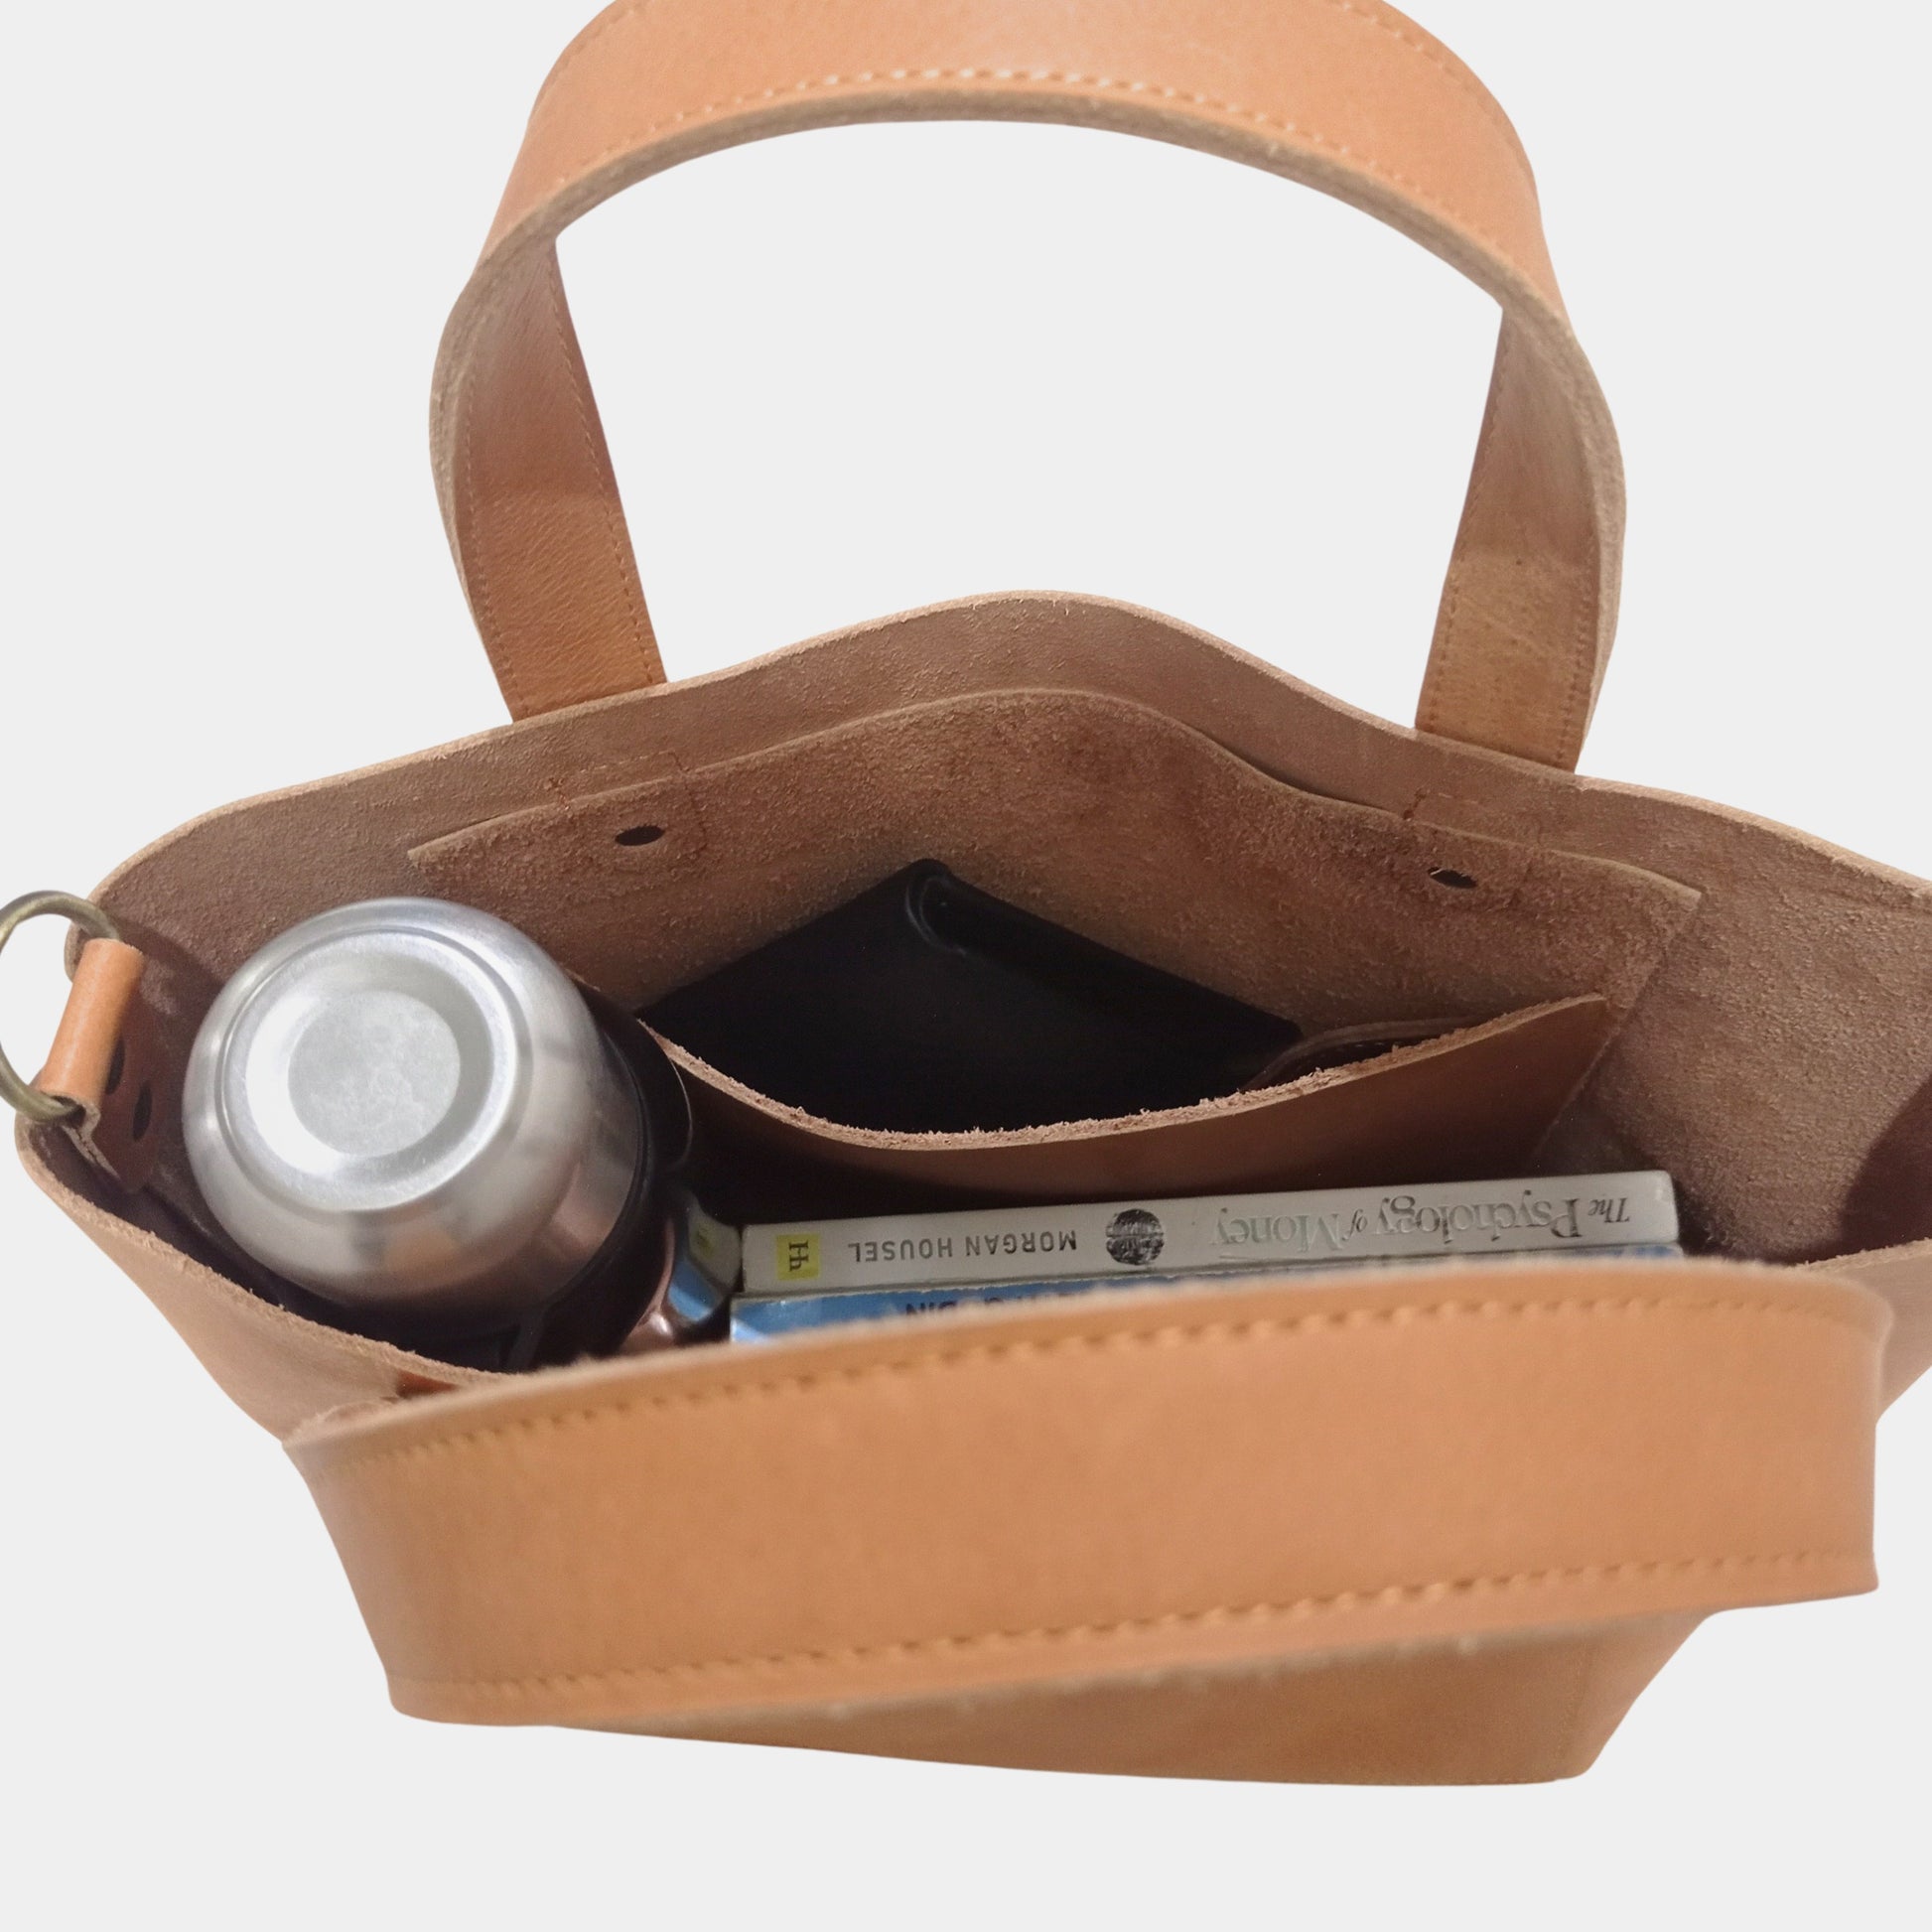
<point>406,1107</point>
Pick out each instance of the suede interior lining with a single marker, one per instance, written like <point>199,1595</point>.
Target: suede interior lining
<point>1778,1061</point>
<point>1100,814</point>
<point>1137,832</point>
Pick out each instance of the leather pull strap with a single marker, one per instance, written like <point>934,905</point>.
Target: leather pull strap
<point>107,1058</point>
<point>1345,95</point>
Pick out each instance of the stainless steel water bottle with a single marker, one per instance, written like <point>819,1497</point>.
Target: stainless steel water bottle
<point>406,1109</point>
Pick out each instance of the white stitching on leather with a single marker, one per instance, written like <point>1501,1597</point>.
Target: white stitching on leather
<point>473,564</point>
<point>643,638</point>
<point>1423,198</point>
<point>1392,25</point>
<point>1302,1609</point>
<point>1118,1340</point>
<point>580,47</point>
<point>1446,64</point>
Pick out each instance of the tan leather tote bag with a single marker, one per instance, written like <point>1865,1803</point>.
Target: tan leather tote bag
<point>1440,1524</point>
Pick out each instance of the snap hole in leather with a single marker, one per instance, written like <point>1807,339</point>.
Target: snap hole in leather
<point>641,835</point>
<point>117,1067</point>
<point>1448,875</point>
<point>143,1113</point>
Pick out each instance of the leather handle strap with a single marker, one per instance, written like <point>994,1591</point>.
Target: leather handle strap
<point>1345,95</point>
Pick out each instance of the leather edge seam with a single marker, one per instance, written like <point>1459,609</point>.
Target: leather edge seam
<point>1261,1615</point>
<point>313,1451</point>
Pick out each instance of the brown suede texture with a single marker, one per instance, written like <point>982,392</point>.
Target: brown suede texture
<point>1105,816</point>
<point>1778,1061</point>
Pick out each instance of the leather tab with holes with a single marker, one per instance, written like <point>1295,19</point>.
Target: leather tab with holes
<point>106,1059</point>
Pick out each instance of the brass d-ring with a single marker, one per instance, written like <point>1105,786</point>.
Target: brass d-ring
<point>44,1108</point>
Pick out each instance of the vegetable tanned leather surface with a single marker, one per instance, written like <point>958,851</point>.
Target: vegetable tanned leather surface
<point>107,1058</point>
<point>1346,95</point>
<point>1440,1525</point>
<point>1479,1100</point>
<point>1147,1482</point>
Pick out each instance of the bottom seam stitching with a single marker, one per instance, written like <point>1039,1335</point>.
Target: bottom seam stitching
<point>333,1468</point>
<point>1299,1610</point>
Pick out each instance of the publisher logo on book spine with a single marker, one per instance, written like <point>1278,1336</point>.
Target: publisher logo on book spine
<point>1134,1237</point>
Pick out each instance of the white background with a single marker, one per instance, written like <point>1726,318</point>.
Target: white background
<point>847,373</point>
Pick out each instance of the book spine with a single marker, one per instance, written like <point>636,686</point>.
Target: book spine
<point>763,1318</point>
<point>1134,1239</point>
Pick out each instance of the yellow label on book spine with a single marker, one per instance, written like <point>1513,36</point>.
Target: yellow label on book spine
<point>797,1257</point>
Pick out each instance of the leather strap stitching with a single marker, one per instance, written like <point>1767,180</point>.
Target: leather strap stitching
<point>596,31</point>
<point>474,558</point>
<point>1581,692</point>
<point>1430,716</point>
<point>1464,81</point>
<point>1438,59</point>
<point>1293,130</point>
<point>643,638</point>
<point>1115,1341</point>
<point>1300,1609</point>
